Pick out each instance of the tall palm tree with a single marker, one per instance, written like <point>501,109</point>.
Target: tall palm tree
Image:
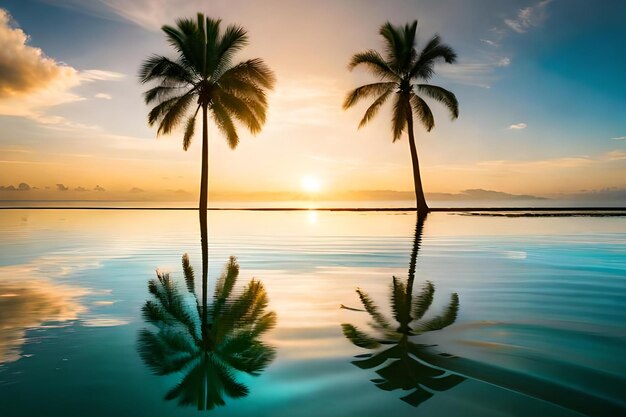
<point>204,77</point>
<point>207,343</point>
<point>402,73</point>
<point>406,362</point>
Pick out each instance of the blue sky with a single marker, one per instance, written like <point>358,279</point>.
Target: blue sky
<point>541,86</point>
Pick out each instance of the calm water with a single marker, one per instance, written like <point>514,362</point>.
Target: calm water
<point>100,316</point>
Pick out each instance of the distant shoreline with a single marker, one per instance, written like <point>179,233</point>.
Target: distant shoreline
<point>475,211</point>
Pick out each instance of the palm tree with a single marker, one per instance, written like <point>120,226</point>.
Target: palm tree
<point>207,343</point>
<point>402,72</point>
<point>203,76</point>
<point>406,362</point>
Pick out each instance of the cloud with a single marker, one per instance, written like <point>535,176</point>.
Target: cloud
<point>475,73</point>
<point>21,187</point>
<point>61,187</point>
<point>518,126</point>
<point>619,138</point>
<point>31,82</point>
<point>98,188</point>
<point>528,17</point>
<point>80,189</point>
<point>136,190</point>
<point>504,62</point>
<point>490,42</point>
<point>616,155</point>
<point>103,96</point>
<point>27,303</point>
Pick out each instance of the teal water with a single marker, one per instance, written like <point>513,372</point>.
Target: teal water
<point>522,316</point>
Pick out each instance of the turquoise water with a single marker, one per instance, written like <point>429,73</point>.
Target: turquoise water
<point>522,316</point>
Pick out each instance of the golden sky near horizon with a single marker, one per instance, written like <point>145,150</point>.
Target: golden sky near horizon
<point>72,112</point>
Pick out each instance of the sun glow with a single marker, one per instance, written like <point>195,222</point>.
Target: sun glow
<point>311,184</point>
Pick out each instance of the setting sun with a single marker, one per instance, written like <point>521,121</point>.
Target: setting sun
<point>311,184</point>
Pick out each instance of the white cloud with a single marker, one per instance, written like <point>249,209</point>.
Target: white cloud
<point>504,62</point>
<point>619,138</point>
<point>518,126</point>
<point>528,17</point>
<point>103,96</point>
<point>490,42</point>
<point>31,82</point>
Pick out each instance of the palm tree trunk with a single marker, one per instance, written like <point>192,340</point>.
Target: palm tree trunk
<point>422,207</point>
<point>204,178</point>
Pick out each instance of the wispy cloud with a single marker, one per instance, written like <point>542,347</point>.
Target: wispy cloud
<point>478,74</point>
<point>103,96</point>
<point>619,138</point>
<point>616,155</point>
<point>490,42</point>
<point>518,126</point>
<point>528,17</point>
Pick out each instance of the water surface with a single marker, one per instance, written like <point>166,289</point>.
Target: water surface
<point>517,316</point>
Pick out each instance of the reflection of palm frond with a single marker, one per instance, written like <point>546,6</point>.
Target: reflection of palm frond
<point>209,352</point>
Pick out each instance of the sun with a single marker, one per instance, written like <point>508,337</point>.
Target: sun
<point>311,184</point>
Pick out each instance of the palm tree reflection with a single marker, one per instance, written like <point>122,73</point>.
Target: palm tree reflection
<point>208,343</point>
<point>406,365</point>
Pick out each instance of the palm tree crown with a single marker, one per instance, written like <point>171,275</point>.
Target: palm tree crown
<point>204,75</point>
<point>402,73</point>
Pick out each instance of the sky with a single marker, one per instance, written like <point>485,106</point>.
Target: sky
<point>541,89</point>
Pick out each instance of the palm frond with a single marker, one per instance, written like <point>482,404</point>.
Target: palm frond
<point>442,95</point>
<point>249,115</point>
<point>372,110</point>
<point>375,63</point>
<point>446,319</point>
<point>165,352</point>
<point>157,67</point>
<point>175,113</point>
<point>422,302</point>
<point>190,129</point>
<point>401,311</point>
<point>359,338</point>
<point>433,52</point>
<point>212,33</point>
<point>246,354</point>
<point>245,90</point>
<point>189,40</point>
<point>367,90</point>
<point>394,45</point>
<point>225,124</point>
<point>254,71</point>
<point>423,112</point>
<point>164,91</point>
<point>372,309</point>
<point>399,117</point>
<point>230,42</point>
<point>227,280</point>
<point>189,274</point>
